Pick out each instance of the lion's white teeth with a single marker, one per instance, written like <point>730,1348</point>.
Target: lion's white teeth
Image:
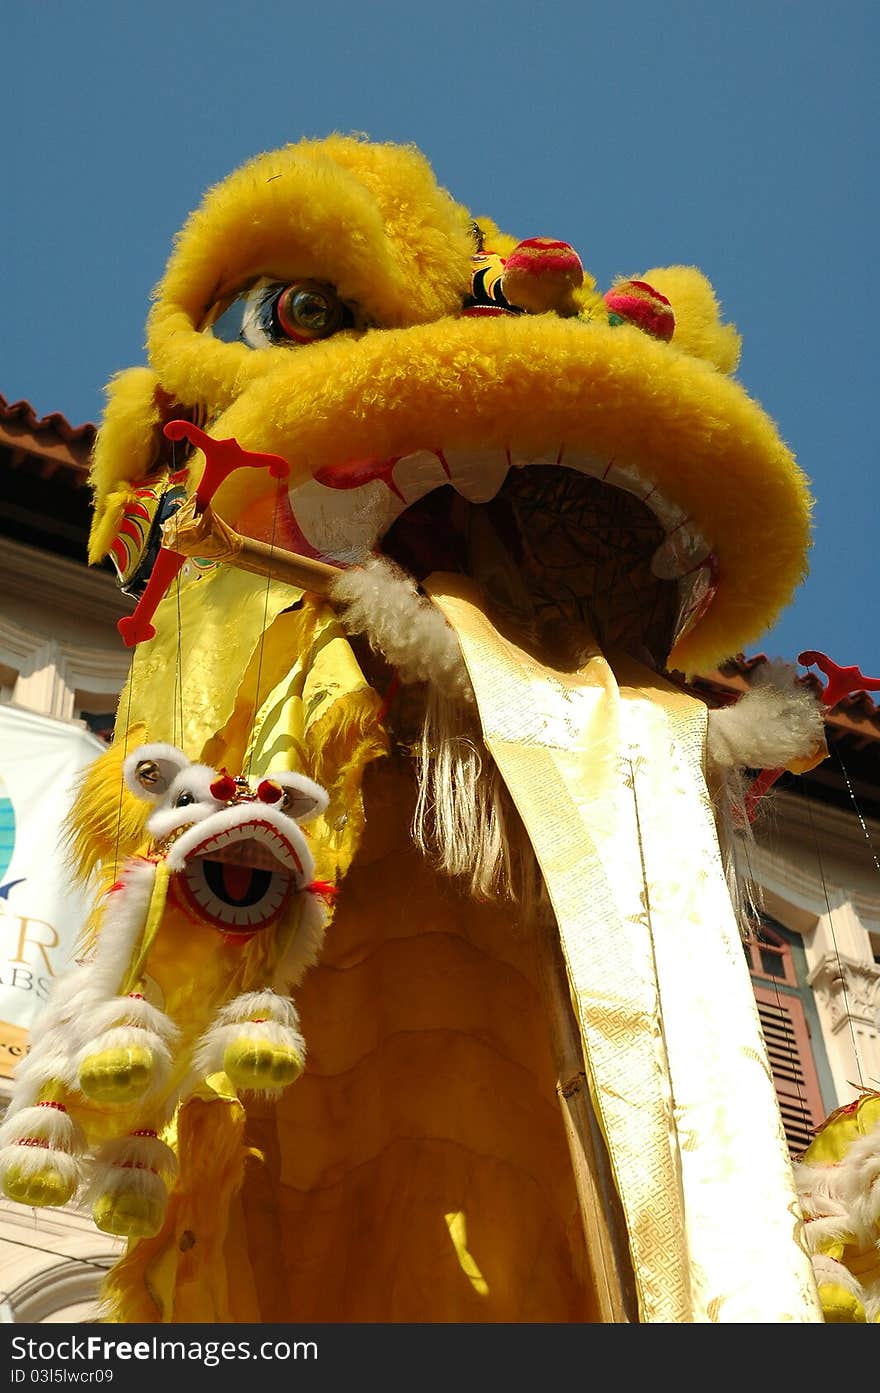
<point>342,524</point>
<point>627,478</point>
<point>477,474</point>
<point>581,460</point>
<point>669,515</point>
<point>683,550</point>
<point>418,474</point>
<point>695,593</point>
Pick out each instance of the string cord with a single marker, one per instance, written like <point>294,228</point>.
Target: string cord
<point>262,644</point>
<point>862,823</point>
<point>177,693</point>
<point>646,903</point>
<point>102,1267</point>
<point>839,960</point>
<point>121,775</point>
<point>795,1064</point>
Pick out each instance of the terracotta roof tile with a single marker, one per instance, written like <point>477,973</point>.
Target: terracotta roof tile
<point>21,413</point>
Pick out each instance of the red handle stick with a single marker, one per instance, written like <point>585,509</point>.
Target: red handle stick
<point>222,457</point>
<point>842,682</point>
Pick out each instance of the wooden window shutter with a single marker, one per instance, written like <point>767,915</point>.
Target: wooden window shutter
<point>791,1059</point>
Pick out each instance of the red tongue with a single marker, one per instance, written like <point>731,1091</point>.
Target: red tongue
<point>236,880</point>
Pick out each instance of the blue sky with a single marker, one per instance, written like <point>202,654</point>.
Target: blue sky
<point>739,136</point>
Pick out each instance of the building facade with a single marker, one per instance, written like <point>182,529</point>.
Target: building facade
<point>61,669</point>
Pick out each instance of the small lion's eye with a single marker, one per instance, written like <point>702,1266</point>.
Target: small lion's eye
<point>306,311</point>
<point>184,799</point>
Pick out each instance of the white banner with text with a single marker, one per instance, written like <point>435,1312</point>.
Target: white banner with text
<point>41,911</point>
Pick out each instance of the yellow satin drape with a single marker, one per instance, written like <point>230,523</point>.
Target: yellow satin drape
<point>605,766</point>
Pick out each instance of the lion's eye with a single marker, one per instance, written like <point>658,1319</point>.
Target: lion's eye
<point>306,311</point>
<point>184,799</point>
<point>271,313</point>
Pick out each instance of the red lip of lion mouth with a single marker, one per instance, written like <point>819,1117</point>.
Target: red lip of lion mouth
<point>238,876</point>
<point>562,537</point>
<point>234,896</point>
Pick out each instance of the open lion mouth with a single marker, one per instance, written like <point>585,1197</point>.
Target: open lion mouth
<point>559,544</point>
<point>240,879</point>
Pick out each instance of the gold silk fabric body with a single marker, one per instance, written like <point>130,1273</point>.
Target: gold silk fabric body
<point>605,766</point>
<point>419,1171</point>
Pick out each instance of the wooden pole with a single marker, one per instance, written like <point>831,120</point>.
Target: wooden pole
<point>302,571</point>
<point>203,534</point>
<point>601,1214</point>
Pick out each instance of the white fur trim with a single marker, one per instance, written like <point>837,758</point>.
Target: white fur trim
<point>826,1229</point>
<point>52,1065</point>
<point>829,1270</point>
<point>119,933</point>
<point>820,1188</point>
<point>131,1152</point>
<point>778,720</point>
<point>120,1180</point>
<point>208,1057</point>
<point>305,943</point>
<point>46,1123</point>
<point>380,600</point>
<point>196,780</point>
<point>862,1181</point>
<point>307,799</point>
<point>266,1005</point>
<point>170,761</point>
<point>61,1027</point>
<point>134,1012</point>
<point>843,1200</point>
<point>240,816</point>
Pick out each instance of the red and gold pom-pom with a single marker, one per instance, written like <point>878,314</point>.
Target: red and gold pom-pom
<point>541,275</point>
<point>224,787</point>
<point>269,791</point>
<point>636,302</point>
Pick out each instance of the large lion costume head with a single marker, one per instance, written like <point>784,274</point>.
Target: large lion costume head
<point>320,305</point>
<point>546,506</point>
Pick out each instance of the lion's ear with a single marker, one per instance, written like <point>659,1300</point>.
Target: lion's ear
<point>489,237</point>
<point>698,326</point>
<point>127,447</point>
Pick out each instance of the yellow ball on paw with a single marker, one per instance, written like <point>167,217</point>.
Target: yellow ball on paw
<point>129,1214</point>
<point>257,1064</point>
<point>840,1306</point>
<point>44,1189</point>
<point>117,1076</point>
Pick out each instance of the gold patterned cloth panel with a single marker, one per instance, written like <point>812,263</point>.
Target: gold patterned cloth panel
<point>606,768</point>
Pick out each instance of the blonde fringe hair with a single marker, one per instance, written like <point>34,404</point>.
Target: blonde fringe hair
<point>467,825</point>
<point>465,821</point>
